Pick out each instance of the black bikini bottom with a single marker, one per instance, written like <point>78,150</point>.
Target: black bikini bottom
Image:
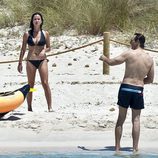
<point>36,63</point>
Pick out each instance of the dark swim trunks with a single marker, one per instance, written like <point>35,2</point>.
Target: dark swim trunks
<point>132,96</point>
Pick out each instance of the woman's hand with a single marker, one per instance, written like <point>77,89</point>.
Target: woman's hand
<point>42,54</point>
<point>20,67</point>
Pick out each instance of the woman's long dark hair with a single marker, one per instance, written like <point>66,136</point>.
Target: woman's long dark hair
<point>31,22</point>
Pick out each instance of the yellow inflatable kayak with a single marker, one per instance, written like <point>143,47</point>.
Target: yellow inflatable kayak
<point>13,99</point>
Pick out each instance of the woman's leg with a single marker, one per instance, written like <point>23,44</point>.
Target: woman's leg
<point>43,71</point>
<point>31,73</point>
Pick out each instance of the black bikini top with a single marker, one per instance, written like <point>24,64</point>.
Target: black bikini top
<point>41,42</point>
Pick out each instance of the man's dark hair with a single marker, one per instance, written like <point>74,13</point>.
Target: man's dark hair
<point>140,38</point>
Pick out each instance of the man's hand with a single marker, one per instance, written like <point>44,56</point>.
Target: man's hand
<point>102,58</point>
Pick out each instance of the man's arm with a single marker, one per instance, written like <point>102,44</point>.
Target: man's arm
<point>114,61</point>
<point>150,76</point>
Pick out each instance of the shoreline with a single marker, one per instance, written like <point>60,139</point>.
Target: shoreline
<point>76,141</point>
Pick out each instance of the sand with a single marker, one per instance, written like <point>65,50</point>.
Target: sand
<point>84,101</point>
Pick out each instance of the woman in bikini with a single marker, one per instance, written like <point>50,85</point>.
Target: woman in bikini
<point>38,42</point>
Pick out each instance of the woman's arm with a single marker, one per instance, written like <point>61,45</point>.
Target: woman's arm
<point>47,47</point>
<point>22,52</point>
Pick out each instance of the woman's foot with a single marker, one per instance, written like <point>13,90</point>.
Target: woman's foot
<point>50,110</point>
<point>30,108</point>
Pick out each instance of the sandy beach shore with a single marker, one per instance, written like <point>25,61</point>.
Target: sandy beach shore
<point>84,101</point>
<point>72,141</point>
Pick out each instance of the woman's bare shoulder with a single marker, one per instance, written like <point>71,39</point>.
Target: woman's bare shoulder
<point>46,33</point>
<point>25,35</point>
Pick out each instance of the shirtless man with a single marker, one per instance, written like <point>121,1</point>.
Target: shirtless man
<point>139,71</point>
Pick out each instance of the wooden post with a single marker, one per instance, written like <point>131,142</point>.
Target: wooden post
<point>106,47</point>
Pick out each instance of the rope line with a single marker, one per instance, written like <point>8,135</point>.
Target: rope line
<point>151,50</point>
<point>62,52</point>
<point>73,49</point>
<point>125,44</point>
<point>9,61</point>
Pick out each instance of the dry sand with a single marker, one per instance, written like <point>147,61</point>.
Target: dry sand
<point>84,101</point>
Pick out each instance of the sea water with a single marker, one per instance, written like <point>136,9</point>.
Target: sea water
<point>107,154</point>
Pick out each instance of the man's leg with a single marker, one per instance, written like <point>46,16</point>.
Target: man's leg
<point>119,127</point>
<point>135,128</point>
